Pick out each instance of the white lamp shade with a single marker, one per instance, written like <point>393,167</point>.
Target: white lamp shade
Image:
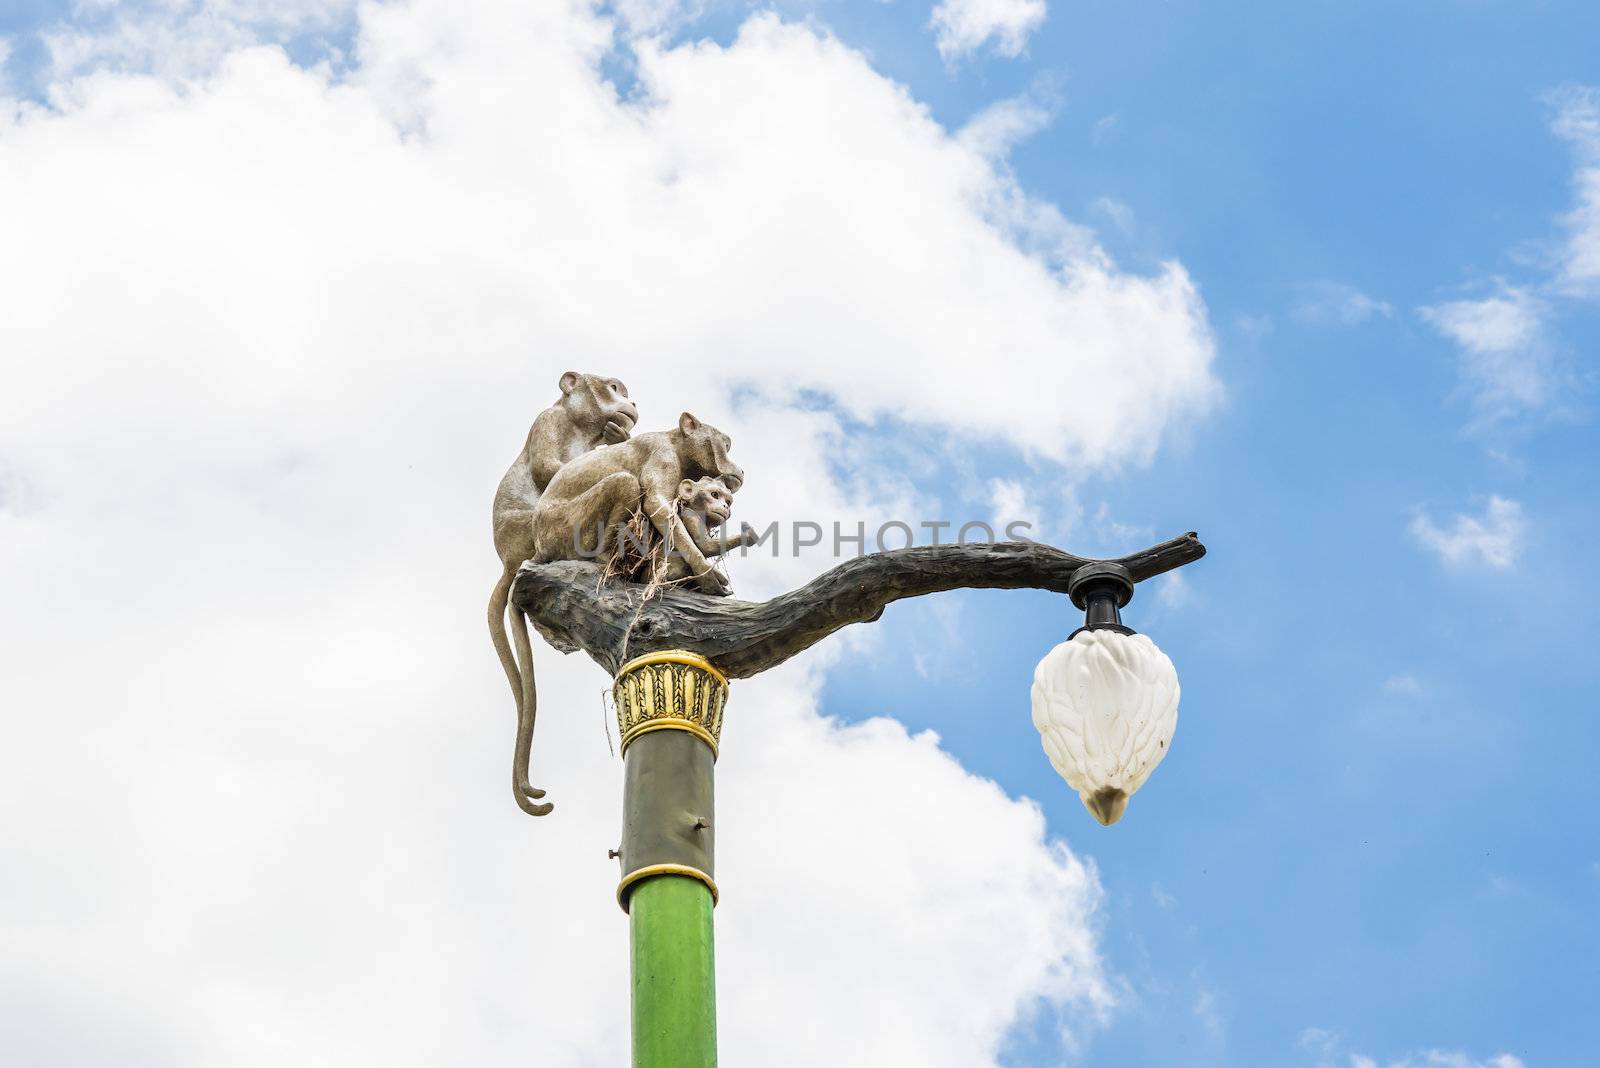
<point>1106,706</point>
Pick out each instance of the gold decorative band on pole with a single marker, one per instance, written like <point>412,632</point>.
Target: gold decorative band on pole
<point>673,690</point>
<point>664,869</point>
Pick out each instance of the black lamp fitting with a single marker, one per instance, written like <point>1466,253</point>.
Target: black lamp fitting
<point>1100,589</point>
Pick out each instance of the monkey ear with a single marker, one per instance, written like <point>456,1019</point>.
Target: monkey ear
<point>688,423</point>
<point>686,489</point>
<point>569,382</point>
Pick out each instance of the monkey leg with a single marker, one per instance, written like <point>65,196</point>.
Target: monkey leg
<point>513,536</point>
<point>584,526</point>
<point>676,569</point>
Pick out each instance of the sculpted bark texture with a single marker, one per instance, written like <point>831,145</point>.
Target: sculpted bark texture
<point>613,623</point>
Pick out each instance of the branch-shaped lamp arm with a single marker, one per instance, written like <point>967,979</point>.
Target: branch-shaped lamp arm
<point>613,621</point>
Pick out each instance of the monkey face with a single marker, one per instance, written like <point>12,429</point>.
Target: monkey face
<point>600,404</point>
<point>708,497</point>
<point>706,448</point>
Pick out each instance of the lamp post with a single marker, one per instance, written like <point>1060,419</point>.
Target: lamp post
<point>669,715</point>
<point>1105,702</point>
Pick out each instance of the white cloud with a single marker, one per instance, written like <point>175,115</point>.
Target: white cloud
<point>1435,1058</point>
<point>961,27</point>
<point>1339,304</point>
<point>1174,591</point>
<point>1506,359</point>
<point>1255,327</point>
<point>1119,213</point>
<point>1578,122</point>
<point>271,336</point>
<point>1319,1040</point>
<point>1010,502</point>
<point>1114,537</point>
<point>1494,326</point>
<point>1495,539</point>
<point>1327,1045</point>
<point>1504,356</point>
<point>181,38</point>
<point>900,928</point>
<point>1000,127</point>
<point>1209,1013</point>
<point>1406,685</point>
<point>652,16</point>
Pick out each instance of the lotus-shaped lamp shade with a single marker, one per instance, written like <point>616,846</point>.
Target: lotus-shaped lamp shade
<point>1106,705</point>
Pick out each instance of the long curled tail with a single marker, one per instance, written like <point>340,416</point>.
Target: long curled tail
<point>497,631</point>
<point>522,688</point>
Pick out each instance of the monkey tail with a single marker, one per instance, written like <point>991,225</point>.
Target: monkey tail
<point>527,711</point>
<point>522,688</point>
<point>497,631</point>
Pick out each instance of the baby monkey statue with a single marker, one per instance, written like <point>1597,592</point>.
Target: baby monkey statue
<point>705,503</point>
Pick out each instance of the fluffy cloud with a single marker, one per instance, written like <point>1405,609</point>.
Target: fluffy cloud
<point>183,38</point>
<point>1000,127</point>
<point>1578,122</point>
<point>272,334</point>
<point>961,27</point>
<point>1504,356</point>
<point>1494,539</point>
<point>1011,503</point>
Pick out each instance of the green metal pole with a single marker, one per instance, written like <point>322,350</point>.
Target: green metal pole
<point>669,712</point>
<point>674,977</point>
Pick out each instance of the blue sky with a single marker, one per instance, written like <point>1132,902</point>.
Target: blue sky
<point>1378,819</point>
<point>1376,833</point>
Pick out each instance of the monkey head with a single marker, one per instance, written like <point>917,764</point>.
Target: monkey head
<point>708,497</point>
<point>704,449</point>
<point>599,405</point>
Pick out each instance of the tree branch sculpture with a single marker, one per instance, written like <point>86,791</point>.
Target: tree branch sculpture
<point>613,621</point>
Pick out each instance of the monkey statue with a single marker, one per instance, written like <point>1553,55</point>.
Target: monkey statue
<point>591,498</point>
<point>580,512</point>
<point>593,410</point>
<point>704,503</point>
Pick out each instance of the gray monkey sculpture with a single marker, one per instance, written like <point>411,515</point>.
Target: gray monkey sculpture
<point>593,410</point>
<point>704,503</point>
<point>578,516</point>
<point>591,498</point>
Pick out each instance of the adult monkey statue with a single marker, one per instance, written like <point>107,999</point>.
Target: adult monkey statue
<point>591,498</point>
<point>593,410</point>
<point>579,515</point>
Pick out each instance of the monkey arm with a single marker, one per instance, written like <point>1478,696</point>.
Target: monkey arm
<point>718,544</point>
<point>700,536</point>
<point>614,620</point>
